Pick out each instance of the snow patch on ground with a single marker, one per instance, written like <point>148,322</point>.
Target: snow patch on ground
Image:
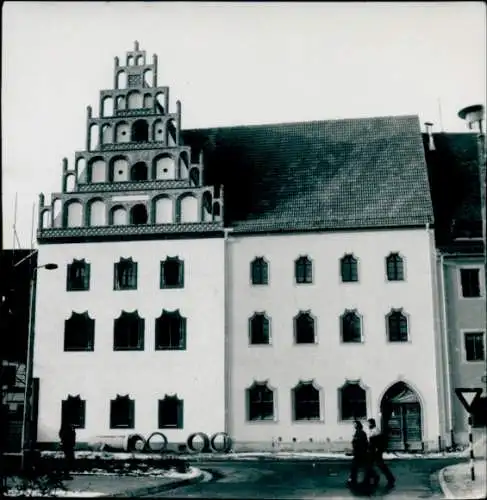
<point>55,493</point>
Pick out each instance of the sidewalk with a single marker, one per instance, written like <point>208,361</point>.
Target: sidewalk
<point>455,480</point>
<point>115,485</point>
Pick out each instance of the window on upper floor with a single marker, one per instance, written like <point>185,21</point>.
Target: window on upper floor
<point>128,332</point>
<point>474,346</point>
<point>349,268</point>
<point>306,402</point>
<point>79,332</point>
<point>304,328</point>
<point>172,273</point>
<point>122,410</point>
<point>303,270</point>
<point>351,327</point>
<point>397,326</point>
<point>353,401</point>
<point>170,412</point>
<point>260,402</point>
<point>259,271</point>
<point>73,411</point>
<point>395,267</point>
<point>259,329</point>
<point>125,275</point>
<point>78,276</point>
<point>470,282</point>
<point>170,331</point>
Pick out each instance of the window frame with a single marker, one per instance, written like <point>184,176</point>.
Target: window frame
<point>263,265</point>
<point>86,275</point>
<point>359,384</point>
<point>134,279</point>
<point>295,327</point>
<point>162,281</point>
<point>399,256</point>
<point>182,331</point>
<point>263,315</point>
<point>81,421</point>
<point>479,270</point>
<point>319,390</point>
<point>90,334</point>
<point>179,409</point>
<point>130,416</point>
<point>248,403</point>
<point>361,326</point>
<point>344,260</point>
<point>141,331</point>
<point>307,264</point>
<point>473,331</point>
<point>401,311</point>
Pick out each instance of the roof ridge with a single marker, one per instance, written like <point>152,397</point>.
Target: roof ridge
<point>308,122</point>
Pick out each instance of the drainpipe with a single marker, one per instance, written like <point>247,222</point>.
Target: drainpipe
<point>446,350</point>
<point>226,357</point>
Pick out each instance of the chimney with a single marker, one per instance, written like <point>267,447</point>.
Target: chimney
<point>429,131</point>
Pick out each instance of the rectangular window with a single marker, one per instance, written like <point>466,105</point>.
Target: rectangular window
<point>172,273</point>
<point>73,410</point>
<point>171,413</point>
<point>7,375</point>
<point>474,346</point>
<point>122,413</point>
<point>79,333</point>
<point>78,276</point>
<point>125,275</point>
<point>259,270</point>
<point>260,403</point>
<point>470,282</point>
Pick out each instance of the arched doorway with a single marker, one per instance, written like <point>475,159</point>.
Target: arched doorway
<point>401,418</point>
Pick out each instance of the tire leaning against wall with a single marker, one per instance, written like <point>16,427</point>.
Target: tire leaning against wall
<point>164,439</point>
<point>227,442</point>
<point>132,440</point>
<point>206,442</point>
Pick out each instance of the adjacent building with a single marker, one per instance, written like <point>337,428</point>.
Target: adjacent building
<point>454,175</point>
<point>16,268</point>
<point>274,282</point>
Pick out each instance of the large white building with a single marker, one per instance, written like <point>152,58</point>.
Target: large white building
<point>304,298</point>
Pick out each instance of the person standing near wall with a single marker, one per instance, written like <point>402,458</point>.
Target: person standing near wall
<point>67,435</point>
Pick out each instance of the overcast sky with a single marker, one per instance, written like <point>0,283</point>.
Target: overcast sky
<point>228,63</point>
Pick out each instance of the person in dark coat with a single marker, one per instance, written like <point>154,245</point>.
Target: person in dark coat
<point>67,435</point>
<point>376,449</point>
<point>359,448</point>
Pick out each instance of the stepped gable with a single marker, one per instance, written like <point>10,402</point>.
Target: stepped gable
<point>135,179</point>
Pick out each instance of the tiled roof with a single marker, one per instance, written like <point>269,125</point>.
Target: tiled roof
<point>455,186</point>
<point>319,175</point>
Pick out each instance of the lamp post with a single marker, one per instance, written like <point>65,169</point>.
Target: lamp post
<point>474,116</point>
<point>26,440</point>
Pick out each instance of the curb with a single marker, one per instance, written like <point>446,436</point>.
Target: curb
<point>441,478</point>
<point>151,490</point>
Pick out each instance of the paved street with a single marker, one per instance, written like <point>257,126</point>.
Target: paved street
<point>307,479</point>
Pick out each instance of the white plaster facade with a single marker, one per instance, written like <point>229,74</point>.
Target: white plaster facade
<point>376,362</point>
<point>196,374</point>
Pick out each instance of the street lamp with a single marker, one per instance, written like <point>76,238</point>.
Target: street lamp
<point>474,116</point>
<point>26,440</point>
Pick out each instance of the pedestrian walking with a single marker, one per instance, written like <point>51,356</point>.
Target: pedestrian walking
<point>376,450</point>
<point>360,449</point>
<point>67,435</point>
